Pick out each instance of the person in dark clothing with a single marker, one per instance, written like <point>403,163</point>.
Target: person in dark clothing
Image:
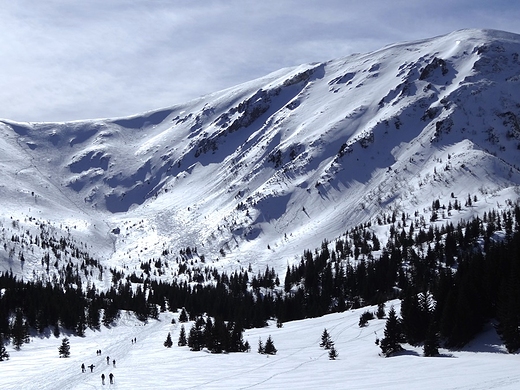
<point>91,367</point>
<point>103,379</point>
<point>108,360</point>
<point>111,376</point>
<point>114,362</point>
<point>82,367</point>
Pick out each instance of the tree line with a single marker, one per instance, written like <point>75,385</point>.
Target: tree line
<point>451,279</point>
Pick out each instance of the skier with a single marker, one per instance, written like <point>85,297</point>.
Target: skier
<point>103,379</point>
<point>111,376</point>
<point>114,362</point>
<point>91,367</point>
<point>108,360</point>
<point>82,367</point>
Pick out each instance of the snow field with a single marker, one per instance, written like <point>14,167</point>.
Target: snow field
<point>299,364</point>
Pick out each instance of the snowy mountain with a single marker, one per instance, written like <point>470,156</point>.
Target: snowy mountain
<point>253,176</point>
<point>257,173</point>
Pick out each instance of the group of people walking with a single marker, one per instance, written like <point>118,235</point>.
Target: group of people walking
<point>110,376</point>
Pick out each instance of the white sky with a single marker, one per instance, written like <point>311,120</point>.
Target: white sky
<point>67,60</point>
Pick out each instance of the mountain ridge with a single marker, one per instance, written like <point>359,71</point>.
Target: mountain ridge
<point>259,172</point>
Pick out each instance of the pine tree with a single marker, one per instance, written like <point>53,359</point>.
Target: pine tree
<point>364,318</point>
<point>380,311</point>
<point>110,314</point>
<point>168,343</point>
<point>182,337</point>
<point>269,348</point>
<point>153,311</point>
<point>196,335</point>
<point>261,348</point>
<point>391,342</point>
<point>333,354</point>
<point>431,343</point>
<point>210,337</point>
<point>508,307</point>
<point>236,339</point>
<point>4,355</point>
<point>81,325</point>
<point>183,317</point>
<point>64,348</point>
<point>93,316</point>
<point>287,281</point>
<point>415,312</point>
<point>326,341</point>
<point>19,331</point>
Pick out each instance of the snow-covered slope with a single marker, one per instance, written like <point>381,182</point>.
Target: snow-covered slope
<point>299,363</point>
<point>257,173</point>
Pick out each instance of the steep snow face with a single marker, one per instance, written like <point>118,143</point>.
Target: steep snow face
<point>260,172</point>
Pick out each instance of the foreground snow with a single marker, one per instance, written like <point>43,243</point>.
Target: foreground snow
<point>300,362</point>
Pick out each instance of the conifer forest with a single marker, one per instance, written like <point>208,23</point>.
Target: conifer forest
<point>450,278</point>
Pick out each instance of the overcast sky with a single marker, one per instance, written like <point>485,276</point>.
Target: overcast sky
<point>68,60</point>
